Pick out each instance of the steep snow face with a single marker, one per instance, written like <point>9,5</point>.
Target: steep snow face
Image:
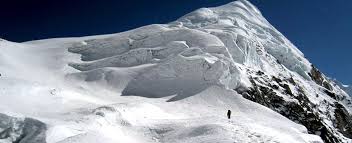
<point>174,83</point>
<point>247,35</point>
<point>183,61</point>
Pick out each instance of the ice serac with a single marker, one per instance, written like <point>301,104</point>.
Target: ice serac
<point>175,82</point>
<point>235,47</point>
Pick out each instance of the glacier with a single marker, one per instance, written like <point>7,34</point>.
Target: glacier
<point>171,83</point>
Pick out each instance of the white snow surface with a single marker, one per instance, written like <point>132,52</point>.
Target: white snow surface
<point>36,83</point>
<point>158,83</point>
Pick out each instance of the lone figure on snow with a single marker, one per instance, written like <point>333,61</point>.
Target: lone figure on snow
<point>229,114</point>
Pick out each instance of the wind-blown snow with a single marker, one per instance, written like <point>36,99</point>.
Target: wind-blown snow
<point>158,83</point>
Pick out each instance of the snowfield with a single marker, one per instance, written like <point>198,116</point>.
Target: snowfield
<point>171,83</point>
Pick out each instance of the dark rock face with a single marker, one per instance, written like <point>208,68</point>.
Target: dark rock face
<point>316,76</point>
<point>343,120</point>
<point>319,78</point>
<point>25,130</point>
<point>327,85</point>
<point>267,90</point>
<point>331,94</point>
<point>292,110</point>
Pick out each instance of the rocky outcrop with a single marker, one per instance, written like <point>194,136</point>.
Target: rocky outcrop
<point>273,92</point>
<point>316,75</point>
<point>343,120</point>
<point>21,130</point>
<point>319,78</point>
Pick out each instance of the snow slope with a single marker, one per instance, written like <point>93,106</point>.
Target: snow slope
<point>40,87</point>
<point>171,83</point>
<point>346,88</point>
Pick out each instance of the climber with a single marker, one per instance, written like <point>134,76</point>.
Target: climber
<point>229,114</point>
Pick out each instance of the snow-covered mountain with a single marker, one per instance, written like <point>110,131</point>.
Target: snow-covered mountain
<point>345,87</point>
<point>171,83</point>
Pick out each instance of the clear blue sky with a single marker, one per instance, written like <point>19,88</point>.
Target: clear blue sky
<point>319,28</point>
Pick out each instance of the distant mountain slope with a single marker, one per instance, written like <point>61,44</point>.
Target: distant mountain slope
<point>346,88</point>
<point>174,83</point>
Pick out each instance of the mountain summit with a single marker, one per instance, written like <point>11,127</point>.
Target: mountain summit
<point>171,83</point>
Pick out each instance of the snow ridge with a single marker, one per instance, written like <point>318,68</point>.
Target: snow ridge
<point>346,88</point>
